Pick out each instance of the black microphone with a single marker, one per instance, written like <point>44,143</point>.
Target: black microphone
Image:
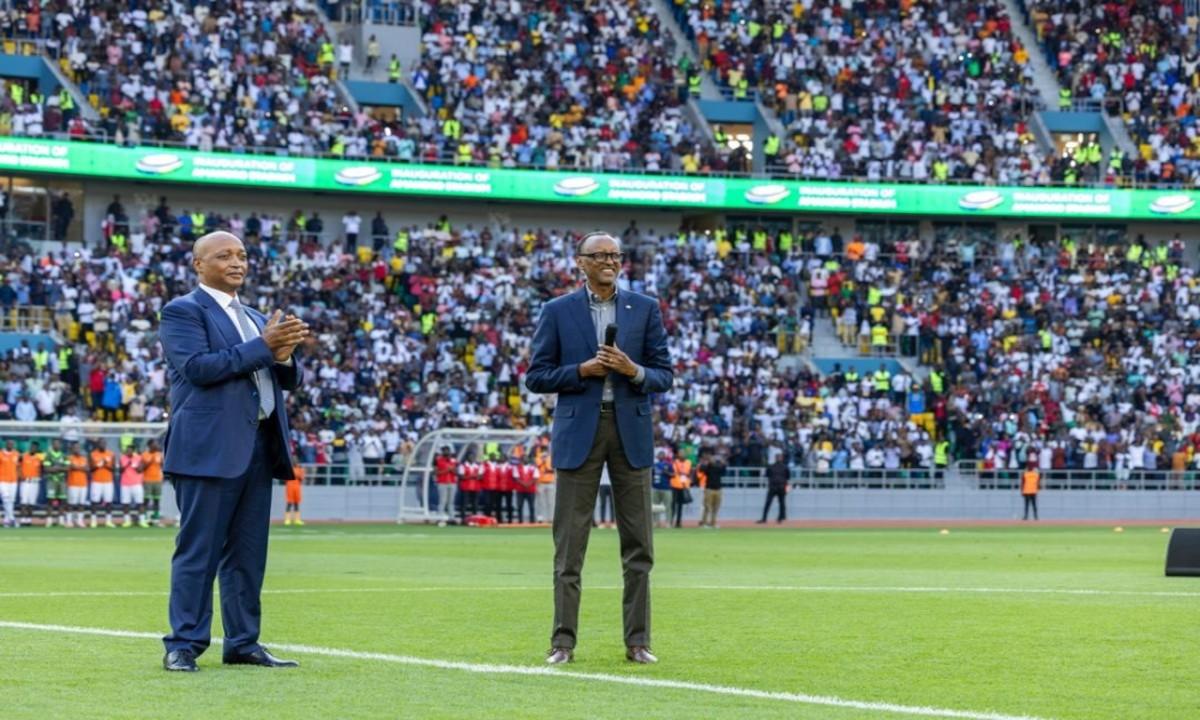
<point>610,334</point>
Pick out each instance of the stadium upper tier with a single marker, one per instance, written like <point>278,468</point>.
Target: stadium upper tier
<point>924,92</point>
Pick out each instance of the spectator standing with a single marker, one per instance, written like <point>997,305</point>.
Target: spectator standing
<point>778,474</point>
<point>711,474</point>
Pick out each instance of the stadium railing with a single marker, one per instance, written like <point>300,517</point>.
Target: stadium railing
<point>1078,479</point>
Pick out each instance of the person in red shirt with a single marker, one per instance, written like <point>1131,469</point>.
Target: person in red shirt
<point>468,489</point>
<point>526,476</point>
<point>491,488</point>
<point>508,488</point>
<point>446,468</point>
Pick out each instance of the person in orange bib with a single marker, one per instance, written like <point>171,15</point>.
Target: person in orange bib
<point>77,486</point>
<point>293,495</point>
<point>31,483</point>
<point>152,479</point>
<point>102,462</point>
<point>10,459</point>
<point>1031,481</point>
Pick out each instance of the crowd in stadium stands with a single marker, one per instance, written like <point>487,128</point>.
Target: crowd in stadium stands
<point>568,84</point>
<point>910,91</point>
<point>1137,58</point>
<point>219,75</point>
<point>1078,355</point>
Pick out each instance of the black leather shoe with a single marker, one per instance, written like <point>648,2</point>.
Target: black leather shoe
<point>560,656</point>
<point>259,657</point>
<point>640,655</point>
<point>180,661</point>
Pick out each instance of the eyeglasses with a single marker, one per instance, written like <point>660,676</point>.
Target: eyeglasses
<point>604,257</point>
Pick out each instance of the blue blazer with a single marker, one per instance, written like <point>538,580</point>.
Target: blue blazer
<point>566,337</point>
<point>214,400</point>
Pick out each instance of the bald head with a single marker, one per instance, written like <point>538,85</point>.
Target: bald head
<point>219,259</point>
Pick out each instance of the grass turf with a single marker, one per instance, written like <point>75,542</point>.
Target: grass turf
<point>483,596</point>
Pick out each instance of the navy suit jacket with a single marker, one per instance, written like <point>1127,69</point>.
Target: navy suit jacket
<point>214,399</point>
<point>565,338</point>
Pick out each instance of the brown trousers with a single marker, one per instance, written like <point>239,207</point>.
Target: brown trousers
<point>573,508</point>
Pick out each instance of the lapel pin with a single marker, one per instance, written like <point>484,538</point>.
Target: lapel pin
<point>628,307</point>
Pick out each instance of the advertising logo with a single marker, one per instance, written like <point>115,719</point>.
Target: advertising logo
<point>357,176</point>
<point>576,187</point>
<point>980,200</point>
<point>159,164</point>
<point>766,194</point>
<point>1172,204</point>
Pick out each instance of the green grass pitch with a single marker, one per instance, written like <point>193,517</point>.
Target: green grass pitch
<point>1056,623</point>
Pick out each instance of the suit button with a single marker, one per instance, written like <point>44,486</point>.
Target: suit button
<point>251,421</point>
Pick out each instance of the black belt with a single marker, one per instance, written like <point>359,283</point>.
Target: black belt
<point>608,407</point>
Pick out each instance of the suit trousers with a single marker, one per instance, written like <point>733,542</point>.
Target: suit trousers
<point>574,504</point>
<point>223,527</point>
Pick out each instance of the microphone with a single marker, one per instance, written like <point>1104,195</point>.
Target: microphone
<point>610,334</point>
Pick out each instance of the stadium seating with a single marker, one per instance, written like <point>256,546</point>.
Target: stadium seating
<point>1134,58</point>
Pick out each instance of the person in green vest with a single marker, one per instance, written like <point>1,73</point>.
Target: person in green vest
<point>852,377</point>
<point>771,149</point>
<point>401,243</point>
<point>64,356</point>
<point>754,28</point>
<point>464,154</point>
<point>879,339</point>
<point>742,88</point>
<point>759,243</point>
<point>428,320</point>
<point>778,29</point>
<point>338,148</point>
<point>35,98</point>
<point>1094,154</point>
<point>786,241</point>
<point>66,103</point>
<point>941,170</point>
<point>41,358</point>
<point>443,224</point>
<point>1160,254</point>
<point>1116,161</point>
<point>1071,175</point>
<point>451,128</point>
<point>941,454</point>
<point>693,82</point>
<point>394,69</point>
<point>874,296</point>
<point>1134,254</point>
<point>1047,339</point>
<point>1064,98</point>
<point>820,103</point>
<point>118,240</point>
<point>325,58</point>
<point>198,221</point>
<point>937,382</point>
<point>739,236</point>
<point>881,377</point>
<point>16,91</point>
<point>719,136</point>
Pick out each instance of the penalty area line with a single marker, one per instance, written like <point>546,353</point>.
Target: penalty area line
<point>543,671</point>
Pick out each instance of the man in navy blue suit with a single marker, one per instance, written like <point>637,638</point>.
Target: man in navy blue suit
<point>602,418</point>
<point>227,438</point>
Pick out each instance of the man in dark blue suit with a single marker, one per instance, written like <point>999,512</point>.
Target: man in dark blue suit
<point>227,438</point>
<point>602,418</point>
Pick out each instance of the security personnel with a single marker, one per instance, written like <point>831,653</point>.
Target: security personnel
<point>742,88</point>
<point>937,382</point>
<point>401,243</point>
<point>693,82</point>
<point>451,128</point>
<point>198,220</point>
<point>66,104</point>
<point>464,154</point>
<point>882,378</point>
<point>394,69</point>
<point>1064,98</point>
<point>771,148</point>
<point>719,136</point>
<point>1031,481</point>
<point>852,377</point>
<point>941,454</point>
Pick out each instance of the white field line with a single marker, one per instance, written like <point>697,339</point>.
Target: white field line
<point>899,589</point>
<point>543,671</point>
